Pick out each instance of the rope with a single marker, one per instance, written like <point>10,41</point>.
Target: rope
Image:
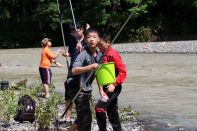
<point>125,23</point>
<point>78,39</point>
<point>62,30</point>
<point>71,8</point>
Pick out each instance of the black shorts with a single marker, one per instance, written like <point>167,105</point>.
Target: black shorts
<point>46,75</point>
<point>71,88</point>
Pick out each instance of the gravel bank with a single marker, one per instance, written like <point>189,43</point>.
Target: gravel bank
<point>158,47</point>
<point>134,125</point>
<point>148,47</point>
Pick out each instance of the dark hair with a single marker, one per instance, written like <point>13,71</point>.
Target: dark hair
<point>78,26</point>
<point>105,37</point>
<point>89,30</point>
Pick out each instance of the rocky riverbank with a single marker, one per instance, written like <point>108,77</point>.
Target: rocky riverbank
<point>17,69</point>
<point>158,47</point>
<point>133,125</point>
<point>14,126</point>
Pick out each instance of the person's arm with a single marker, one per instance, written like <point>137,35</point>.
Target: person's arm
<point>82,69</point>
<point>66,54</point>
<point>57,53</point>
<point>53,56</point>
<point>101,91</point>
<point>79,46</point>
<point>78,65</point>
<point>104,96</point>
<point>110,88</point>
<point>121,69</point>
<point>55,62</point>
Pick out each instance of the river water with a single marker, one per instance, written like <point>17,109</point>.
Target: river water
<point>161,87</point>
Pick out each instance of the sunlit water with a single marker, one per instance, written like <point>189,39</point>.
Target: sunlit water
<point>162,87</point>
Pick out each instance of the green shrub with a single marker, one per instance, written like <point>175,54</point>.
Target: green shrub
<point>46,111</point>
<point>8,105</point>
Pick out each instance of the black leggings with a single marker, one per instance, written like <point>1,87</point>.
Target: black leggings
<point>111,107</point>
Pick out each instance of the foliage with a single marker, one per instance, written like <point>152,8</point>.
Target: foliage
<point>128,114</point>
<point>25,23</point>
<point>46,109</point>
<point>46,112</point>
<point>108,14</point>
<point>48,13</point>
<point>8,105</point>
<point>170,18</point>
<point>142,34</point>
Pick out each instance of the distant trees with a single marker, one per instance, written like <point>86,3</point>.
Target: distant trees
<point>24,22</point>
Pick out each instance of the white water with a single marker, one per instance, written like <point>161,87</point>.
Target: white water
<point>162,87</point>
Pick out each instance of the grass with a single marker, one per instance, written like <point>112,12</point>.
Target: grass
<point>46,110</point>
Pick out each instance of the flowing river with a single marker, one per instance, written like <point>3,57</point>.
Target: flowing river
<point>161,87</point>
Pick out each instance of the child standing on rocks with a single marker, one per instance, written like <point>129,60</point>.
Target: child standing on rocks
<point>47,58</point>
<point>109,93</point>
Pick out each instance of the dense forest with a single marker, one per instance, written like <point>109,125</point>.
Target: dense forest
<point>23,23</point>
